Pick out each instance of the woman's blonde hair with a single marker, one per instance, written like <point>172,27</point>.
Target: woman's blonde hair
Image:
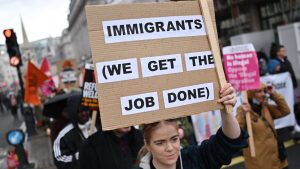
<point>147,130</point>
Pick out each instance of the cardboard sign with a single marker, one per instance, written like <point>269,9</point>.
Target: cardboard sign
<point>241,66</point>
<point>153,61</point>
<point>89,92</point>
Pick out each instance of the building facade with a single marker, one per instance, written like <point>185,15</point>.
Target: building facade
<point>77,30</point>
<point>233,17</point>
<point>236,17</point>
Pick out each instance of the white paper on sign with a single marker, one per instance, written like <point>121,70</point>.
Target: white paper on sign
<point>188,95</point>
<point>199,60</point>
<point>161,65</point>
<point>153,28</point>
<point>118,70</point>
<point>139,103</point>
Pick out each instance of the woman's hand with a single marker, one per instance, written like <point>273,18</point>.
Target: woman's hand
<point>227,95</point>
<point>230,126</point>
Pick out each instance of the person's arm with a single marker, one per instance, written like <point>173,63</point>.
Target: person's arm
<point>230,125</point>
<point>215,152</point>
<point>281,108</point>
<point>64,158</point>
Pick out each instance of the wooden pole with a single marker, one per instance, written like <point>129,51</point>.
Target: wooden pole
<point>93,125</point>
<point>249,127</point>
<point>214,45</point>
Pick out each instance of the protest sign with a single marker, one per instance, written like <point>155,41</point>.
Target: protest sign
<point>241,66</point>
<point>154,61</point>
<point>89,92</point>
<point>241,69</point>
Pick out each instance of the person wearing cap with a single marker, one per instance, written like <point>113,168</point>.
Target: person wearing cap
<point>268,153</point>
<point>69,140</point>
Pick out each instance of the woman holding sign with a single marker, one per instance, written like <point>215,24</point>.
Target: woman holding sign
<point>162,143</point>
<point>269,154</point>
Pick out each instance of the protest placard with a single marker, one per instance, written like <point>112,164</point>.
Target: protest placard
<point>154,61</point>
<point>89,92</point>
<point>241,66</point>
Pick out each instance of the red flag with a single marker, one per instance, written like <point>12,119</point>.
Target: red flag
<point>45,66</point>
<point>47,86</point>
<point>34,78</point>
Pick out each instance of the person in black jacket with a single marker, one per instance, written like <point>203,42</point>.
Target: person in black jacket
<point>116,149</point>
<point>162,143</point>
<point>67,144</point>
<point>280,64</point>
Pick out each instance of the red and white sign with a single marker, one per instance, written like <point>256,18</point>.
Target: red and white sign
<point>241,66</point>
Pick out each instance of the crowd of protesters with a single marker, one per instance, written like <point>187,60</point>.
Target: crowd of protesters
<point>171,144</point>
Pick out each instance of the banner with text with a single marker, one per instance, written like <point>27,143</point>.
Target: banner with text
<point>152,62</point>
<point>241,66</point>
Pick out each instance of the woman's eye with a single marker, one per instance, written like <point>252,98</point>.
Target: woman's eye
<point>159,143</point>
<point>174,140</point>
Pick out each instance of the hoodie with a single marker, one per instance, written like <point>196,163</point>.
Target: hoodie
<point>69,140</point>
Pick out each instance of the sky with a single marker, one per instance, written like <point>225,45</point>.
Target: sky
<point>41,18</point>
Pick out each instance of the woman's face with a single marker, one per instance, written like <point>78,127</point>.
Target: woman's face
<point>260,95</point>
<point>164,145</point>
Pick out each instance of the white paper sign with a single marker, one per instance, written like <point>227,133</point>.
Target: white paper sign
<point>117,70</point>
<point>89,66</point>
<point>161,65</point>
<point>188,95</point>
<point>153,28</point>
<point>139,103</point>
<point>199,60</point>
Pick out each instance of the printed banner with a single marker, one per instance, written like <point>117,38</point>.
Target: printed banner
<point>89,92</point>
<point>241,66</point>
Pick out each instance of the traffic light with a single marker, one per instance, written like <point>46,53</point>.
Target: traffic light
<point>13,49</point>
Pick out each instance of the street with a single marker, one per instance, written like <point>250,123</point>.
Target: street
<point>7,123</point>
<point>39,146</point>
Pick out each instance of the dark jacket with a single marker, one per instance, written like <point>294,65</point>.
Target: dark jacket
<point>211,154</point>
<point>285,66</point>
<point>104,150</point>
<point>66,148</point>
<point>67,144</point>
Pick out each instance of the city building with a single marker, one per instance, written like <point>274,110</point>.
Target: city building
<point>236,17</point>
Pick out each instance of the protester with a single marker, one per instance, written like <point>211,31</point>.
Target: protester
<point>279,64</point>
<point>262,62</point>
<point>14,106</point>
<point>162,144</point>
<point>116,149</point>
<point>67,144</point>
<point>263,114</point>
